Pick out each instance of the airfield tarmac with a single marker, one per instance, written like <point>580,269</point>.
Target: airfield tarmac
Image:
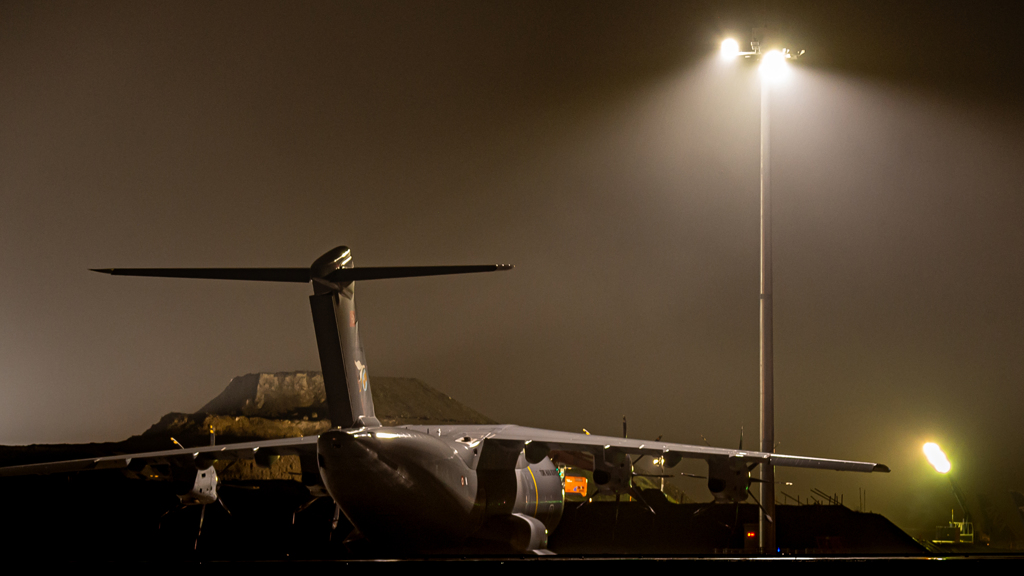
<point>128,520</point>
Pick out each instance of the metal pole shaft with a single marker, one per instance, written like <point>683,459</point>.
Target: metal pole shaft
<point>766,529</point>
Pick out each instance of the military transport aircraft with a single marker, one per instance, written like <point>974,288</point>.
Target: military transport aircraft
<point>429,487</point>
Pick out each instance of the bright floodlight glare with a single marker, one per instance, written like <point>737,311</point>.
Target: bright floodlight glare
<point>936,457</point>
<point>730,49</point>
<point>773,65</point>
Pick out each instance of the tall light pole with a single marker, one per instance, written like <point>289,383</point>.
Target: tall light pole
<point>773,67</point>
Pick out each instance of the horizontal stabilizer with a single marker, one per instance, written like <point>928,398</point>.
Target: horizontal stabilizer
<point>302,275</point>
<point>344,366</point>
<point>383,272</point>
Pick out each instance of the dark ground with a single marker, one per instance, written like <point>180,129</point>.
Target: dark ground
<point>105,512</point>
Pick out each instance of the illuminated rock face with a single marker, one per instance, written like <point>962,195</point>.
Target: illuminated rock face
<point>300,396</point>
<point>265,405</point>
<point>289,404</point>
<point>277,395</point>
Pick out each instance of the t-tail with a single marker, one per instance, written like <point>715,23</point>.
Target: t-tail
<point>346,377</point>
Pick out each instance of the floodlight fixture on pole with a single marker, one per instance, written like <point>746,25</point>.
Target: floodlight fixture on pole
<point>773,66</point>
<point>730,49</point>
<point>937,458</point>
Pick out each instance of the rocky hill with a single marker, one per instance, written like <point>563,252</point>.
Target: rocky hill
<point>264,405</point>
<point>286,404</point>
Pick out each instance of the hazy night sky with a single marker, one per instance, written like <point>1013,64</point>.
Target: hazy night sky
<point>601,147</point>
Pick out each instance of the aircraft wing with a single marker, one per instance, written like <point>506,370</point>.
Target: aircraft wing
<point>509,437</point>
<point>202,456</point>
<point>551,440</point>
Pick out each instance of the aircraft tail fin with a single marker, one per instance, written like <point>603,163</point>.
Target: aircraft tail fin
<point>346,377</point>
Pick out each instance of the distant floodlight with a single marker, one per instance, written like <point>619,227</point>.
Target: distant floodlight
<point>936,457</point>
<point>730,49</point>
<point>773,65</point>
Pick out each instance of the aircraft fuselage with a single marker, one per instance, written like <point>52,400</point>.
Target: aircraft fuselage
<point>419,487</point>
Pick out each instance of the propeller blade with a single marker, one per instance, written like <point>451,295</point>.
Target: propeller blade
<point>334,522</point>
<point>766,515</point>
<point>303,507</point>
<point>160,521</point>
<point>202,514</point>
<point>636,494</point>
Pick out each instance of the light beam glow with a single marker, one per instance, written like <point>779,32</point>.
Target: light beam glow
<point>773,65</point>
<point>730,49</point>
<point>936,457</point>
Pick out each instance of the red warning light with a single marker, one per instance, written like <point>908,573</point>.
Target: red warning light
<point>751,534</point>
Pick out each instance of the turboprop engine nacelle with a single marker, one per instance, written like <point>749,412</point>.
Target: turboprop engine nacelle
<point>613,472</point>
<point>539,491</point>
<point>729,479</point>
<point>203,486</point>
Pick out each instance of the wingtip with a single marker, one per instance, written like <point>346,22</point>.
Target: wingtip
<point>505,266</point>
<point>102,270</point>
<point>880,468</point>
